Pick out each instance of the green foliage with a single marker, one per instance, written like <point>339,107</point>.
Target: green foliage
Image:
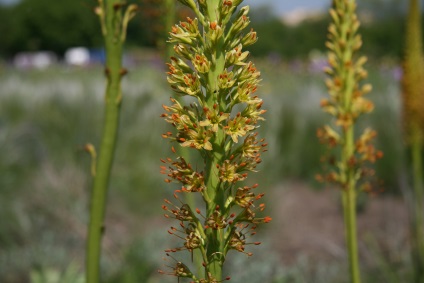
<point>268,31</point>
<point>48,275</point>
<point>39,25</point>
<point>33,25</point>
<point>138,263</point>
<point>287,41</point>
<point>382,36</point>
<point>382,8</point>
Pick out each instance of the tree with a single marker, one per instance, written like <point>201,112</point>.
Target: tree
<point>49,25</point>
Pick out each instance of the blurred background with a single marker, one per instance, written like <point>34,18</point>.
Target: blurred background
<point>51,94</point>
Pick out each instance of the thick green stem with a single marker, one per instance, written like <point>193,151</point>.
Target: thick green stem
<point>348,153</point>
<point>215,237</point>
<point>113,72</point>
<point>216,195</point>
<point>418,174</point>
<point>218,152</point>
<point>169,19</point>
<point>349,207</point>
<point>413,98</point>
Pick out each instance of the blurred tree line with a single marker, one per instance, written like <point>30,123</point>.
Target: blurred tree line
<point>32,25</point>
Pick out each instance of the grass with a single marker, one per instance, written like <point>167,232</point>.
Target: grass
<point>47,116</point>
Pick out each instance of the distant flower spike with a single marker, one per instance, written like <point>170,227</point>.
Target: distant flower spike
<point>346,103</point>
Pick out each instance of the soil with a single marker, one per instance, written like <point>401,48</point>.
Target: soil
<point>311,224</point>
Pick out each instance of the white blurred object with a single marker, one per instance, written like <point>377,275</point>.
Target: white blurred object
<point>38,60</point>
<point>79,56</point>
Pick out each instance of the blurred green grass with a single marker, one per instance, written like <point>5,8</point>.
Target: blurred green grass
<point>47,116</point>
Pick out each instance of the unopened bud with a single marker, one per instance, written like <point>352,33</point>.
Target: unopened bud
<point>250,38</point>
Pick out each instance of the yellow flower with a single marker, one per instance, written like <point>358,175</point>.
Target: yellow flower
<point>238,127</point>
<point>228,172</point>
<point>197,139</point>
<point>213,119</point>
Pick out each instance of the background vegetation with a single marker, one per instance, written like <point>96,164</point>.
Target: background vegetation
<point>46,118</point>
<point>26,26</point>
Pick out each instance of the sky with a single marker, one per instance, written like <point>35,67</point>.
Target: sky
<point>7,1</point>
<point>285,6</point>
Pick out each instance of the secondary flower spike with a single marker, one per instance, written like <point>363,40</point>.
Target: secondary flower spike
<point>215,111</point>
<point>346,103</point>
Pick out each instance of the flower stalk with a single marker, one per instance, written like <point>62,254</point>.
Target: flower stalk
<point>113,22</point>
<point>169,19</point>
<point>346,104</point>
<point>413,105</point>
<point>210,73</point>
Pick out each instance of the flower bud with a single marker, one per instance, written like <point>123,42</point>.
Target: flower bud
<point>182,50</point>
<point>235,56</point>
<point>178,35</point>
<point>250,38</point>
<point>334,15</point>
<point>185,32</point>
<point>366,88</point>
<point>215,32</point>
<point>188,3</point>
<point>241,22</point>
<point>177,62</point>
<point>227,7</point>
<point>357,42</point>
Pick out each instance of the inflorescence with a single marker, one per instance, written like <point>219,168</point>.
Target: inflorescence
<point>347,102</point>
<point>211,71</point>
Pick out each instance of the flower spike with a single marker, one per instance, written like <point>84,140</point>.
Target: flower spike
<point>347,103</point>
<point>215,112</point>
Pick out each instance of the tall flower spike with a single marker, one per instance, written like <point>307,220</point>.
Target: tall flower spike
<point>211,69</point>
<point>346,103</point>
<point>413,121</point>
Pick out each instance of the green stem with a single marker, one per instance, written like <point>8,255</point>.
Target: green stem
<point>418,172</point>
<point>349,211</point>
<point>113,46</point>
<point>169,21</point>
<point>215,237</point>
<point>417,223</point>
<point>413,96</point>
<point>349,206</point>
